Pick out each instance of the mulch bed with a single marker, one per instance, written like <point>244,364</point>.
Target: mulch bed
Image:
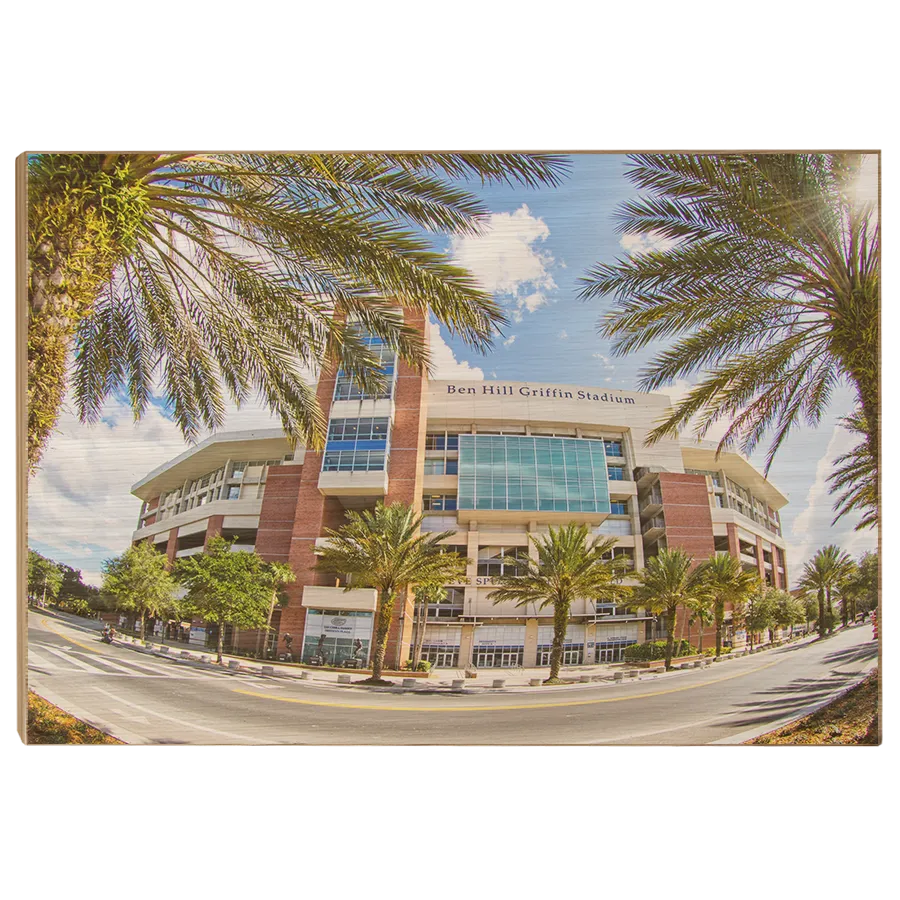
<point>48,724</point>
<point>850,719</point>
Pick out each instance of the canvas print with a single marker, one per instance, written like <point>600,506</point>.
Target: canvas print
<point>451,448</point>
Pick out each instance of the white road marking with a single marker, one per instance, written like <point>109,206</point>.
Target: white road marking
<point>69,659</point>
<point>37,659</point>
<point>231,734</point>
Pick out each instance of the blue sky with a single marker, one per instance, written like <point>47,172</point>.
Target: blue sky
<point>534,247</point>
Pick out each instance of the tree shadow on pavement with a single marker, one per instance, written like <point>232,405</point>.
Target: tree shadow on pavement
<point>802,693</point>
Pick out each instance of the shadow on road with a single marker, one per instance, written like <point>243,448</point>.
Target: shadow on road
<point>854,654</point>
<point>805,692</point>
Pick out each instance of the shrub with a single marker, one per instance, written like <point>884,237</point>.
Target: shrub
<point>78,606</point>
<point>657,650</point>
<point>424,666</point>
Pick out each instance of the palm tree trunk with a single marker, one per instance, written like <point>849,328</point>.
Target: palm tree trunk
<point>268,622</point>
<point>830,624</point>
<point>422,624</point>
<point>220,642</point>
<point>821,623</point>
<point>670,638</point>
<point>720,624</point>
<point>143,625</point>
<point>560,624</point>
<point>381,633</point>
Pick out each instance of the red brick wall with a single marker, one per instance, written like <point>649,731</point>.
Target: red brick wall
<point>689,526</point>
<point>312,512</point>
<point>277,513</point>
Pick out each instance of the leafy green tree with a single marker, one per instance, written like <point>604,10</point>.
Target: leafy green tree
<point>788,610</point>
<point>825,574</point>
<point>760,614</point>
<point>725,579</point>
<point>226,588</point>
<point>569,566</point>
<point>44,578</point>
<point>139,582</point>
<point>769,290</point>
<point>382,548</point>
<point>861,587</point>
<point>204,269</point>
<point>279,575</point>
<point>810,608</point>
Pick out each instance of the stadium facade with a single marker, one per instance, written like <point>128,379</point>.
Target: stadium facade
<point>491,461</point>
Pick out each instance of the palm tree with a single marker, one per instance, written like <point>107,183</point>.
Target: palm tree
<point>769,287</point>
<point>824,574</point>
<point>381,548</point>
<point>727,582</point>
<point>278,574</point>
<point>570,565</point>
<point>855,475</point>
<point>701,608</point>
<point>667,583</point>
<point>198,269</point>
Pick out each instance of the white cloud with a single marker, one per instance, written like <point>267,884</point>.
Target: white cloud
<point>509,341</point>
<point>564,335</point>
<point>446,366</point>
<point>607,364</point>
<point>507,260</point>
<point>636,244</point>
<point>82,492</point>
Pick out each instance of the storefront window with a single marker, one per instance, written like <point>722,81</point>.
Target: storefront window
<point>337,638</point>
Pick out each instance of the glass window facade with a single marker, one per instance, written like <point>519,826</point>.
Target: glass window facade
<point>440,502</point>
<point>507,472</point>
<point>354,461</point>
<point>345,388</point>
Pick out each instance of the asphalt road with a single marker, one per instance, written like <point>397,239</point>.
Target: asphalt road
<point>149,700</point>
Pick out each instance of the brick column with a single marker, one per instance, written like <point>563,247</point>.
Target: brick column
<point>313,512</point>
<point>688,518</point>
<point>172,545</point>
<point>213,527</point>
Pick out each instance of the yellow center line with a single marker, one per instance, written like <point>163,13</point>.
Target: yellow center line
<point>69,639</point>
<point>454,709</point>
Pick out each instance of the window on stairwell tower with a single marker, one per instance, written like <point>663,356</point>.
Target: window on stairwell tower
<point>346,388</point>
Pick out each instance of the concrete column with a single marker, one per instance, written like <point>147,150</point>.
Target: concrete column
<point>213,527</point>
<point>590,642</point>
<point>760,562</point>
<point>529,656</point>
<point>466,645</point>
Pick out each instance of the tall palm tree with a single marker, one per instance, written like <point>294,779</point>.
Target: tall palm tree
<point>667,582</point>
<point>825,573</point>
<point>727,582</point>
<point>767,280</point>
<point>381,548</point>
<point>184,272</point>
<point>570,565</point>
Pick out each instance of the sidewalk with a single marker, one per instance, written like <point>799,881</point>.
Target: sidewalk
<point>441,680</point>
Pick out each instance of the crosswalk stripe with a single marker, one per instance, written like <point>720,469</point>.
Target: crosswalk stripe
<point>70,659</point>
<point>105,661</point>
<point>39,660</point>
